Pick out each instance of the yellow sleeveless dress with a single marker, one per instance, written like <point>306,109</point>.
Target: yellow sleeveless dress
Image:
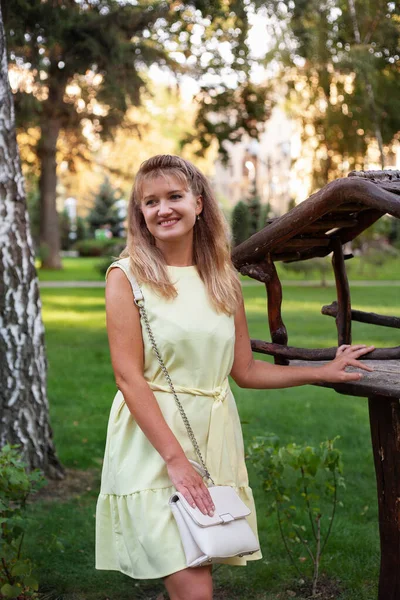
<point>136,533</point>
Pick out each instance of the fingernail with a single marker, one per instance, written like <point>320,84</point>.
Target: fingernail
<point>211,513</point>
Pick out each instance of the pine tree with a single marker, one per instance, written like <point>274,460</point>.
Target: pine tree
<point>104,211</point>
<point>240,223</point>
<point>254,204</point>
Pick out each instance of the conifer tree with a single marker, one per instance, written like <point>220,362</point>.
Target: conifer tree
<point>104,211</point>
<point>240,223</point>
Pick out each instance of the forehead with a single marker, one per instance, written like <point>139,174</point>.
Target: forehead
<point>160,184</point>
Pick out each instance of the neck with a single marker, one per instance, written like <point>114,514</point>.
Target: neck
<point>177,253</point>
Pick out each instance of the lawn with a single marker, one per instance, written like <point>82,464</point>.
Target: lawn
<point>81,388</point>
<point>86,269</point>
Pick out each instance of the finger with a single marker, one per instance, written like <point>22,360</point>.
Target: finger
<point>342,348</point>
<point>356,348</point>
<point>197,497</point>
<point>352,376</point>
<point>365,350</point>
<point>208,501</point>
<point>360,365</point>
<point>187,495</point>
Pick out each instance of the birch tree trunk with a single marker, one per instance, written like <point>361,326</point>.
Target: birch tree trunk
<point>24,410</point>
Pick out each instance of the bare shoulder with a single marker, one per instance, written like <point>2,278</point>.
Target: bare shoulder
<point>121,310</point>
<point>123,326</point>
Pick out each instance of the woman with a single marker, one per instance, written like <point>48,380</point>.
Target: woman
<point>178,250</point>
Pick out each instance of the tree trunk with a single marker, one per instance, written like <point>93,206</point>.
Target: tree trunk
<point>23,402</point>
<point>49,225</point>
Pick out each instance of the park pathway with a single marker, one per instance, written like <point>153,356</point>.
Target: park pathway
<point>314,283</point>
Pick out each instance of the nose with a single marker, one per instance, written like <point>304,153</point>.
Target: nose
<point>164,208</point>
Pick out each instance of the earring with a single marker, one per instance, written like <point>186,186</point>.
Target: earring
<point>198,217</point>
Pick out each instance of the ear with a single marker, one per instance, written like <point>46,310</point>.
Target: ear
<point>199,205</point>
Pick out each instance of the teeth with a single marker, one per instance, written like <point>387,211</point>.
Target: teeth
<point>168,222</point>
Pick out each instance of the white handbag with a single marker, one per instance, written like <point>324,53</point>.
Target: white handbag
<point>205,539</point>
<point>227,533</point>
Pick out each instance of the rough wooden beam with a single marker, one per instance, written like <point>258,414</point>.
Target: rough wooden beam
<point>384,380</point>
<point>326,224</point>
<point>343,317</point>
<point>255,271</point>
<point>293,353</point>
<point>370,195</point>
<point>363,317</point>
<point>274,295</point>
<point>385,433</point>
<point>304,243</point>
<point>365,220</point>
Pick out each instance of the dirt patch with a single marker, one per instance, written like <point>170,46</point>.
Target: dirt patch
<point>75,483</point>
<point>327,589</point>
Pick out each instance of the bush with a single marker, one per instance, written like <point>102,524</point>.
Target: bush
<point>16,484</point>
<point>303,484</point>
<point>94,247</point>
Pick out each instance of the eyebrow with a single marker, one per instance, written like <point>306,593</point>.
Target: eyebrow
<point>170,192</point>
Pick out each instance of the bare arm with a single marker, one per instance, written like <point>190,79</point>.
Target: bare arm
<point>250,373</point>
<point>127,357</point>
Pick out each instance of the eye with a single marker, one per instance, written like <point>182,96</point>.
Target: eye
<point>148,202</point>
<point>174,196</point>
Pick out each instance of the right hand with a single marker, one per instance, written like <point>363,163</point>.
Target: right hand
<point>190,484</point>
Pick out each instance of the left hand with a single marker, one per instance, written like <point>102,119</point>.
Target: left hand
<point>346,356</point>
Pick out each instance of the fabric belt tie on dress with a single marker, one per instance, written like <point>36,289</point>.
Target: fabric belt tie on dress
<point>217,419</point>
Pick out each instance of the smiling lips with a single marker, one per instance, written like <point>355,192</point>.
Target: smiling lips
<point>168,223</point>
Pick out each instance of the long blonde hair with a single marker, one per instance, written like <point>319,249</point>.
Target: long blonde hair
<point>211,239</point>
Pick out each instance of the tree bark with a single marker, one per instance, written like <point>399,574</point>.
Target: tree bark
<point>49,225</point>
<point>24,409</point>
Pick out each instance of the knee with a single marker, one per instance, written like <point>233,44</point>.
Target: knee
<point>199,593</point>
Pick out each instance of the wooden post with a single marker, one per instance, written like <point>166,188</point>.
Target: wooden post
<point>385,432</point>
<point>274,295</point>
<point>343,319</point>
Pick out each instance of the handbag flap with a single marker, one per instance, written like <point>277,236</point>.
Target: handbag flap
<point>228,506</point>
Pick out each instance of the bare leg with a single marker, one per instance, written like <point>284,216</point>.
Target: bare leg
<point>190,584</point>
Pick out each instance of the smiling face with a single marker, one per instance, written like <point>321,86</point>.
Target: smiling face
<point>169,209</point>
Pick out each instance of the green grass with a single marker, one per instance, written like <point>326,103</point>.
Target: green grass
<point>84,269</point>
<point>74,269</point>
<point>81,388</point>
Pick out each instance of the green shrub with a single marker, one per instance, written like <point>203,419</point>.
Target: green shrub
<point>302,482</point>
<point>16,484</point>
<point>94,247</point>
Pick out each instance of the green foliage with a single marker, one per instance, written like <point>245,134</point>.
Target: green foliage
<point>302,483</point>
<point>265,214</point>
<point>254,205</point>
<point>95,247</point>
<point>341,72</point>
<point>16,573</point>
<point>240,223</point>
<point>104,210</point>
<point>118,41</point>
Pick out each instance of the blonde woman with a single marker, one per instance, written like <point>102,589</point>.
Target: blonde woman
<point>178,250</point>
